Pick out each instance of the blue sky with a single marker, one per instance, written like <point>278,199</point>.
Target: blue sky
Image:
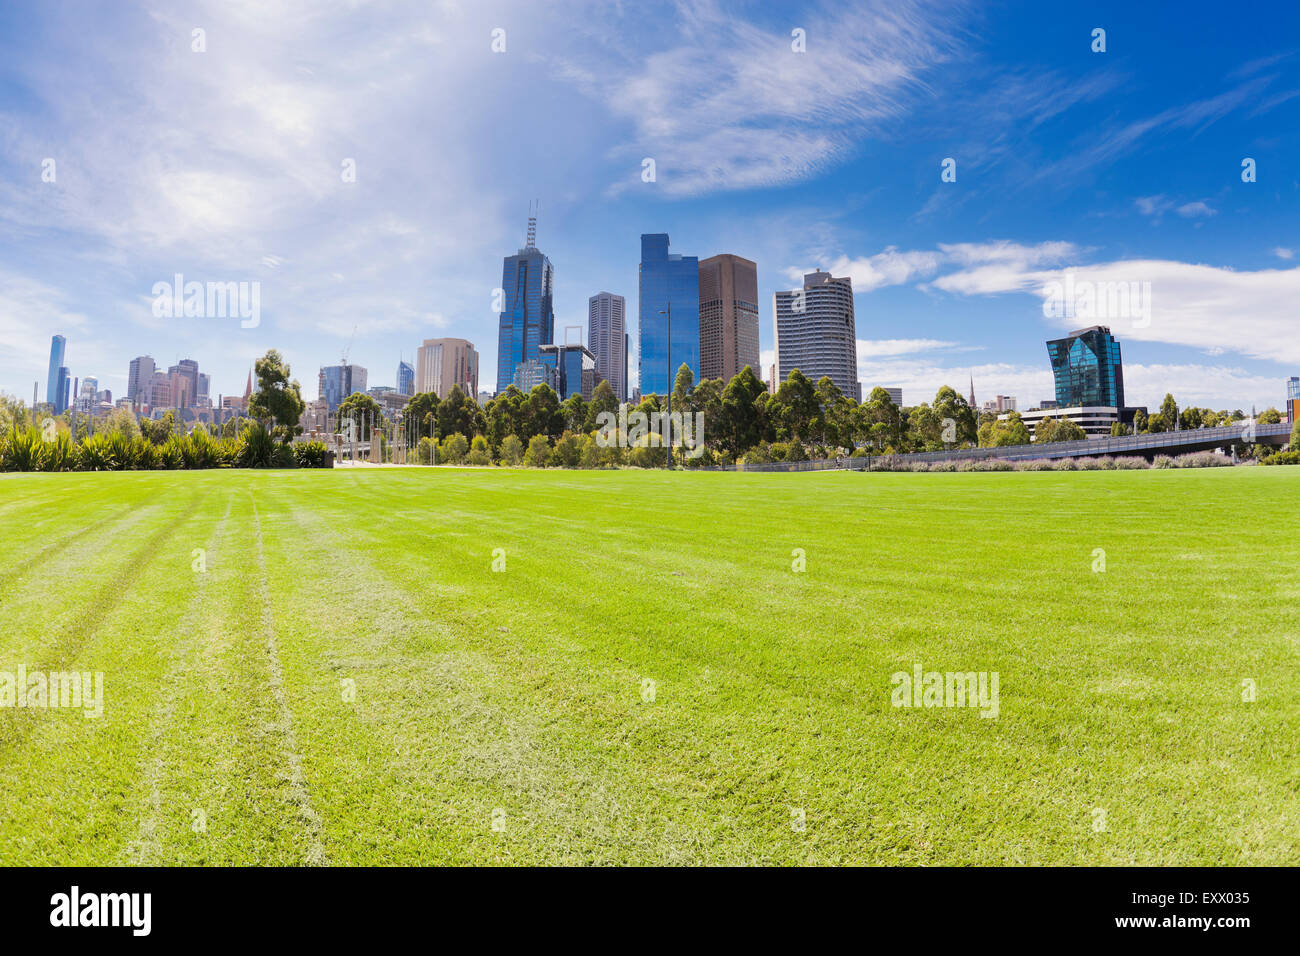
<point>225,166</point>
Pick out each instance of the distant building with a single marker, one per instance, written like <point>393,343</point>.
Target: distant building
<point>1000,404</point>
<point>1088,369</point>
<point>337,382</point>
<point>607,336</point>
<point>1096,421</point>
<point>895,394</point>
<point>728,316</point>
<point>442,363</point>
<point>772,383</point>
<point>53,386</point>
<point>668,313</point>
<point>62,390</point>
<point>484,398</point>
<point>570,369</point>
<point>139,378</point>
<point>529,375</point>
<point>816,331</point>
<point>527,319</point>
<point>406,378</point>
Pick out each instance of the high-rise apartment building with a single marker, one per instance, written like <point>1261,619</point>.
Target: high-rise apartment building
<point>668,315</point>
<point>53,391</point>
<point>139,379</point>
<point>607,338</point>
<point>527,319</point>
<point>1088,369</point>
<point>405,378</point>
<point>816,332</point>
<point>337,382</point>
<point>728,316</point>
<point>442,363</point>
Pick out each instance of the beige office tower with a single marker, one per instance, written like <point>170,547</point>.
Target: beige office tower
<point>816,332</point>
<point>607,339</point>
<point>728,316</point>
<point>442,363</point>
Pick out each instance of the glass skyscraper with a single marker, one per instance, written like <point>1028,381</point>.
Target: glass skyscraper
<point>528,313</point>
<point>1088,369</point>
<point>53,392</point>
<point>405,378</point>
<point>665,280</point>
<point>337,382</point>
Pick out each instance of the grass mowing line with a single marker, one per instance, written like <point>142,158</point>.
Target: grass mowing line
<point>146,846</point>
<point>68,640</point>
<point>50,550</point>
<point>298,793</point>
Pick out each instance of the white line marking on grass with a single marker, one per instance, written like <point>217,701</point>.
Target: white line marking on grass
<point>298,793</point>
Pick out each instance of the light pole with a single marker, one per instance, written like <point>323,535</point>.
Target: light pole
<point>669,312</point>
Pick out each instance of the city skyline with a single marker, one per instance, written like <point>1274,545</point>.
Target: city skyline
<point>1065,161</point>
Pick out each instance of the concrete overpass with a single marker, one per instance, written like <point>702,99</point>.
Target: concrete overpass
<point>1148,446</point>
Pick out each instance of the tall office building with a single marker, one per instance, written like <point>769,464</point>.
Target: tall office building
<point>1292,399</point>
<point>1088,369</point>
<point>728,316</point>
<point>62,390</point>
<point>527,318</point>
<point>570,369</point>
<point>607,337</point>
<point>205,385</point>
<point>58,348</point>
<point>442,363</point>
<point>337,382</point>
<point>405,378</point>
<point>816,331</point>
<point>139,379</point>
<point>667,283</point>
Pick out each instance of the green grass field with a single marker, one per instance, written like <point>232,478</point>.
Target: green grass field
<point>502,716</point>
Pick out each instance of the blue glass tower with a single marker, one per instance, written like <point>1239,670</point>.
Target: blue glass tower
<point>528,314</point>
<point>405,378</point>
<point>53,393</point>
<point>667,279</point>
<point>1088,369</point>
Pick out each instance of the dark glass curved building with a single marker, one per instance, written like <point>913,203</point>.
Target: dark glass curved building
<point>1088,369</point>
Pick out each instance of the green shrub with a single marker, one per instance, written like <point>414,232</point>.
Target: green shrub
<point>1283,458</point>
<point>310,454</point>
<point>23,451</point>
<point>171,455</point>
<point>97,454</point>
<point>479,452</point>
<point>452,449</point>
<point>60,454</point>
<point>257,447</point>
<point>512,451</point>
<point>539,452</point>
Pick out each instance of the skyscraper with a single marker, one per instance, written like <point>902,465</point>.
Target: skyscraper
<point>405,378</point>
<point>140,379</point>
<point>58,347</point>
<point>607,336</point>
<point>62,389</point>
<point>337,382</point>
<point>527,318</point>
<point>570,369</point>
<point>816,331</point>
<point>442,363</point>
<point>667,282</point>
<point>728,316</point>
<point>1088,369</point>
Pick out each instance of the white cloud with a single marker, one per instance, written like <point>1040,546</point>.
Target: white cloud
<point>730,106</point>
<point>1283,253</point>
<point>882,348</point>
<point>1191,210</point>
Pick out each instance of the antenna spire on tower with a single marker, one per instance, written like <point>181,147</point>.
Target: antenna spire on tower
<point>532,225</point>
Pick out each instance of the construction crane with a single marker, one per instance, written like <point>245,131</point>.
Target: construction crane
<point>343,358</point>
